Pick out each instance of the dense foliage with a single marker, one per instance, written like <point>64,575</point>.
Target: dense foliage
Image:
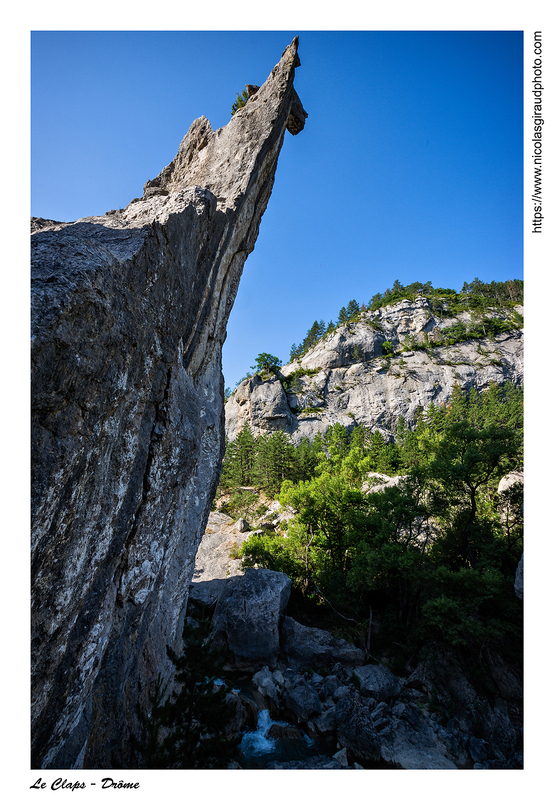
<point>432,557</point>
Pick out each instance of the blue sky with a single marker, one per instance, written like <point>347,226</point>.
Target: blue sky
<point>410,166</point>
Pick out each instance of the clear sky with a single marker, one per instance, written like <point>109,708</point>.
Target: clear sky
<point>410,165</point>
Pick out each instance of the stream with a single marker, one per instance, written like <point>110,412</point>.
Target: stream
<point>257,748</point>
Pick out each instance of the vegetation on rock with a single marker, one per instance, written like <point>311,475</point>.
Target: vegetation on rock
<point>477,297</point>
<point>430,557</point>
<point>240,102</point>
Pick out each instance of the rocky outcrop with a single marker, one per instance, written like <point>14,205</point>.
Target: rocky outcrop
<point>129,317</point>
<point>305,678</point>
<point>347,378</point>
<point>304,646</point>
<point>216,560</point>
<point>248,614</point>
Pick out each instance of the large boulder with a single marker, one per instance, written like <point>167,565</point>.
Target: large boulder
<point>410,741</point>
<point>301,699</point>
<point>310,647</point>
<point>248,613</point>
<point>129,318</point>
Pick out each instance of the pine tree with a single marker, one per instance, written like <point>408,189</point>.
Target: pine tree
<point>239,460</point>
<point>316,332</point>
<point>352,309</point>
<point>240,102</point>
<point>265,362</point>
<point>147,748</point>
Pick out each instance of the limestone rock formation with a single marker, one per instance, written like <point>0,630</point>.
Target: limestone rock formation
<point>216,560</point>
<point>346,377</point>
<point>129,317</point>
<point>248,615</point>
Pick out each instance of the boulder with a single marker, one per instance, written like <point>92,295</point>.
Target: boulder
<point>377,681</point>
<point>342,757</point>
<point>479,749</point>
<point>248,613</point>
<point>409,741</point>
<point>356,731</point>
<point>304,646</point>
<point>266,685</point>
<point>284,731</point>
<point>326,722</point>
<point>301,699</point>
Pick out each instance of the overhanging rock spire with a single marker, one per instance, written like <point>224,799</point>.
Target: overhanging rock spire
<point>129,317</point>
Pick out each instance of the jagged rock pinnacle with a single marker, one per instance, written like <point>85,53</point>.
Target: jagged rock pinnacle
<point>129,316</point>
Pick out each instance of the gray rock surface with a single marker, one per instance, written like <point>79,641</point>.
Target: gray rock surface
<point>311,647</point>
<point>300,698</point>
<point>129,317</point>
<point>248,613</point>
<point>345,377</point>
<point>377,681</point>
<point>356,731</point>
<point>216,559</point>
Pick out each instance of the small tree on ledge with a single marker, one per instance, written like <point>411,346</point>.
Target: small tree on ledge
<point>265,362</point>
<point>240,102</point>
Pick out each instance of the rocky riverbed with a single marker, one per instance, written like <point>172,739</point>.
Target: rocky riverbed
<point>355,713</point>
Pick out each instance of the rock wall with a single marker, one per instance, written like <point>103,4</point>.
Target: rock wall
<point>346,377</point>
<point>129,317</point>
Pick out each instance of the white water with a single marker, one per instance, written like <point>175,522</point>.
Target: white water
<point>257,749</point>
<point>255,743</point>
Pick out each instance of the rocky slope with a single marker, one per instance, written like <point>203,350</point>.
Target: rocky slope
<point>129,316</point>
<point>347,378</point>
<point>333,691</point>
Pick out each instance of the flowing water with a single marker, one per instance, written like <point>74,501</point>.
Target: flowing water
<point>257,749</point>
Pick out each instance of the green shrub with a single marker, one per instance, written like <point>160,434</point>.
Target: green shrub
<point>240,102</point>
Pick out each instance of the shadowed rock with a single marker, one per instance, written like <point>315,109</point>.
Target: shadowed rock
<point>248,614</point>
<point>129,317</point>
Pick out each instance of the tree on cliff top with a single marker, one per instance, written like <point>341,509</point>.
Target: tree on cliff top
<point>265,362</point>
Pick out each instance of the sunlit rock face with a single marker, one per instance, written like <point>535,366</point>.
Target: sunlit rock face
<point>346,377</point>
<point>129,317</point>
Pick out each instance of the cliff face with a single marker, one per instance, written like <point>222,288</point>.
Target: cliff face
<point>347,378</point>
<point>129,316</point>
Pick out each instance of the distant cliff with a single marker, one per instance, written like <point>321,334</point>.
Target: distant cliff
<point>129,316</point>
<point>382,366</point>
